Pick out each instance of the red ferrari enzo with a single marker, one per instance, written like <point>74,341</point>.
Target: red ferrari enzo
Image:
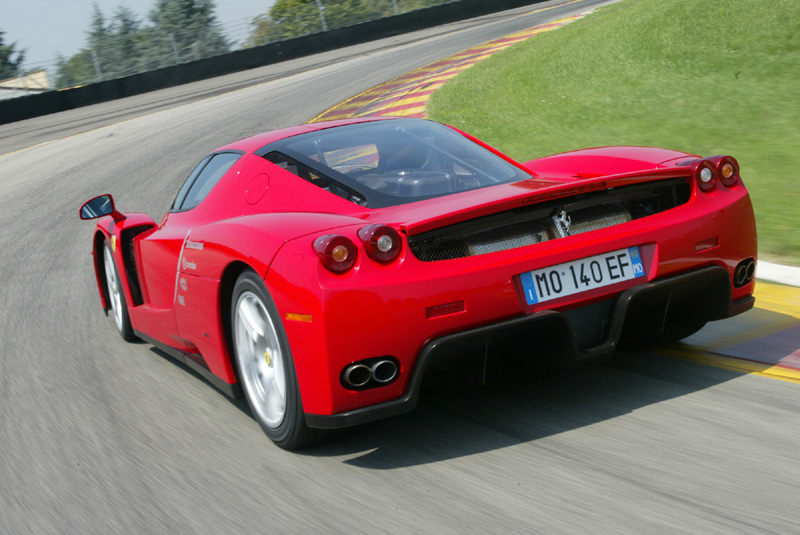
<point>324,270</point>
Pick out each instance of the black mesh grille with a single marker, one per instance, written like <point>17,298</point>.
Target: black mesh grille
<point>129,255</point>
<point>550,220</point>
<point>130,268</point>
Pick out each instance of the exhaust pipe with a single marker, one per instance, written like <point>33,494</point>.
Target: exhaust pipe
<point>744,272</point>
<point>356,375</point>
<point>370,373</point>
<point>384,371</point>
<point>741,275</point>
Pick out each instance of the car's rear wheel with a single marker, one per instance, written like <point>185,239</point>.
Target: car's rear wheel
<point>116,297</point>
<point>265,365</point>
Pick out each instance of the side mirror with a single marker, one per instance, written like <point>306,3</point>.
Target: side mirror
<point>100,206</point>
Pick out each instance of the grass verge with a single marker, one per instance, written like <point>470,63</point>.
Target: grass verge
<point>706,77</point>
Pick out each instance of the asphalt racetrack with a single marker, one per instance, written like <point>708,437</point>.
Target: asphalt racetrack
<point>100,436</point>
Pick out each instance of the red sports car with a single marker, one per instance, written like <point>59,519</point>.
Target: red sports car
<point>324,270</point>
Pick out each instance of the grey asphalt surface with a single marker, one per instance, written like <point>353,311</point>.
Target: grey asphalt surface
<point>100,436</point>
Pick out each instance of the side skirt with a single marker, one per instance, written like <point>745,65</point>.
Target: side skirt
<point>196,363</point>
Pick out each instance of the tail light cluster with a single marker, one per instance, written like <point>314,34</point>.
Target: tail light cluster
<point>339,254</point>
<point>708,171</point>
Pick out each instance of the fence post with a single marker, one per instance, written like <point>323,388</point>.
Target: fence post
<point>21,80</point>
<point>322,15</point>
<point>97,66</point>
<point>174,49</point>
<point>396,9</point>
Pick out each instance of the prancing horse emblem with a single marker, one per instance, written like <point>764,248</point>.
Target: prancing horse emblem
<point>562,221</point>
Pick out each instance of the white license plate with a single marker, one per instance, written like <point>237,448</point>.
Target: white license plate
<point>582,275</point>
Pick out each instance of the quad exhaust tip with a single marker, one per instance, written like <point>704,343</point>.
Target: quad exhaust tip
<point>370,373</point>
<point>384,371</point>
<point>356,375</point>
<point>744,272</point>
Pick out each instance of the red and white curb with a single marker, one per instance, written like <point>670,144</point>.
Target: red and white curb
<point>788,275</point>
<point>407,95</point>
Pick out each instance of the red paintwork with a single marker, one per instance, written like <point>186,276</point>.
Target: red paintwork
<point>604,161</point>
<point>266,218</point>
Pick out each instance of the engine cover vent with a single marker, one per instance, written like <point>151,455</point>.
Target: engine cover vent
<point>550,220</point>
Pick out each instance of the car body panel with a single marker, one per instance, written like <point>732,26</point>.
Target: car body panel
<point>387,301</point>
<point>605,161</point>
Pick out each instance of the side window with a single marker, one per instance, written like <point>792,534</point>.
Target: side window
<point>203,179</point>
<point>187,184</point>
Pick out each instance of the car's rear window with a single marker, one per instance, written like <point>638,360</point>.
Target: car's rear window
<point>386,163</point>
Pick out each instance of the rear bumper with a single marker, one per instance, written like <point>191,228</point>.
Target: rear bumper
<point>703,295</point>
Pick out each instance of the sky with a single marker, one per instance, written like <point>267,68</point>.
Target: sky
<point>46,28</point>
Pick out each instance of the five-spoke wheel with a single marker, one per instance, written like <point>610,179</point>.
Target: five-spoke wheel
<point>115,297</point>
<point>264,362</point>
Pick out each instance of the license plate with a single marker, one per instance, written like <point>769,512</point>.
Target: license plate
<point>582,275</point>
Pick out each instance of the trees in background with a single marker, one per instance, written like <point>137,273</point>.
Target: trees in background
<point>294,18</point>
<point>75,71</point>
<point>186,30</point>
<point>179,31</point>
<point>9,66</point>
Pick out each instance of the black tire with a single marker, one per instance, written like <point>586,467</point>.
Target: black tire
<point>265,366</point>
<point>115,297</point>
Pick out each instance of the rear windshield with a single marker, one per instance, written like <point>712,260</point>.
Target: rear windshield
<point>387,163</point>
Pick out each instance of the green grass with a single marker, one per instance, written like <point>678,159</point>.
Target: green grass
<point>702,76</point>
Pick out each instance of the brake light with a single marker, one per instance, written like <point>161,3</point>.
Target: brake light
<point>382,242</point>
<point>337,253</point>
<point>705,173</point>
<point>728,170</point>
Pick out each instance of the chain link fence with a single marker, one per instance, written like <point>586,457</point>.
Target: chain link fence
<point>150,49</point>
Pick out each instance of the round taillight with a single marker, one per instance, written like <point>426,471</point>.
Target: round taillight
<point>382,242</point>
<point>337,253</point>
<point>728,169</point>
<point>705,173</point>
<point>340,254</point>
